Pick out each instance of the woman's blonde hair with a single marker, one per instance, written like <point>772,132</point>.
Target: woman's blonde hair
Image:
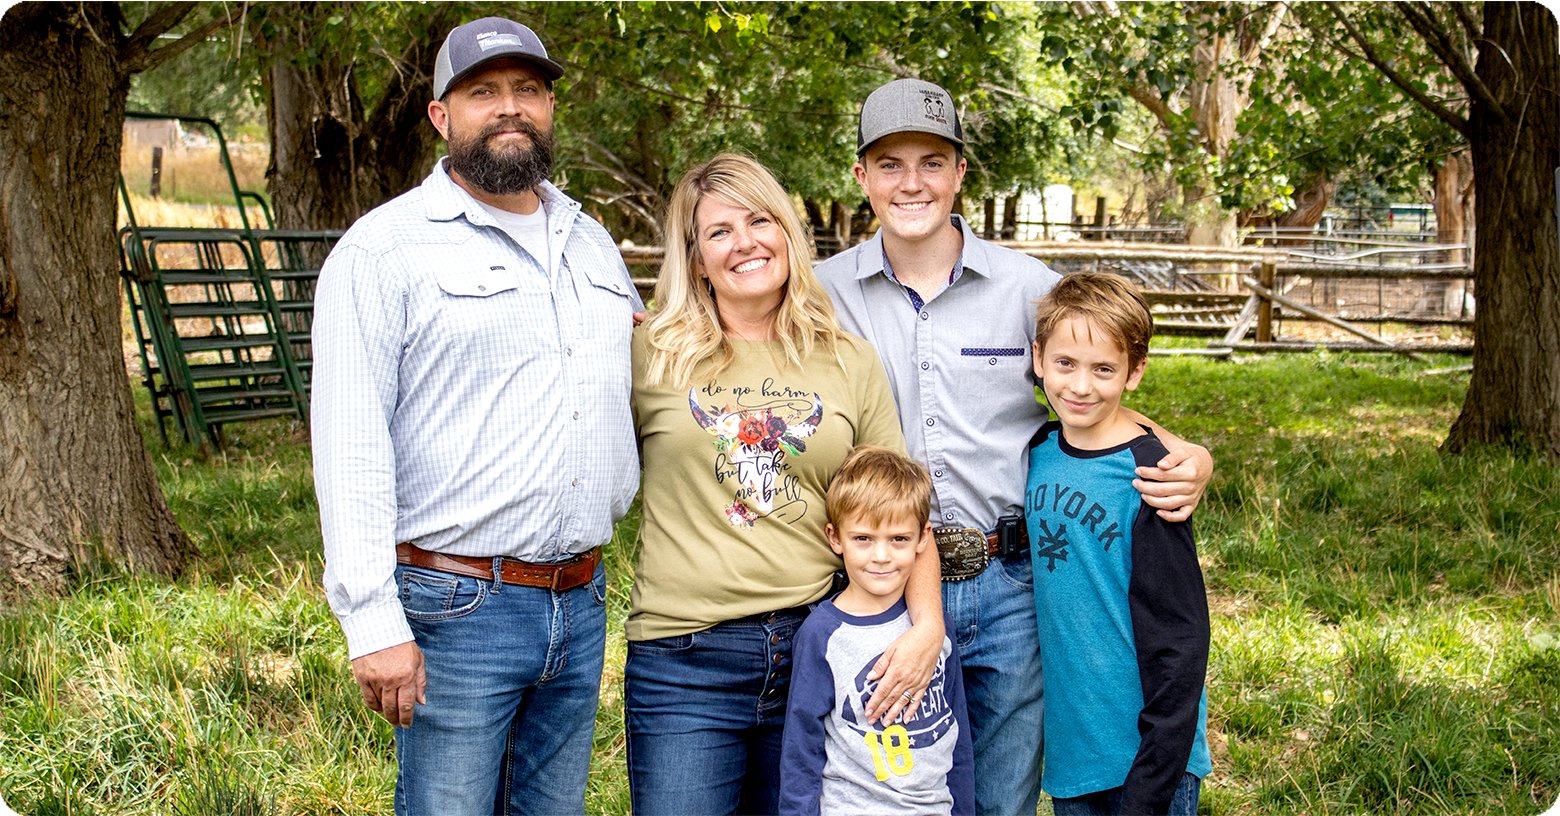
<point>685,331</point>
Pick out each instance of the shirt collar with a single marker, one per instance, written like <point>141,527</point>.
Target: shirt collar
<point>973,258</point>
<point>446,201</point>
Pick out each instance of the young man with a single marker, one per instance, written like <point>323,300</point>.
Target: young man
<point>473,446</point>
<point>1119,594</point>
<point>949,314</point>
<point>834,760</point>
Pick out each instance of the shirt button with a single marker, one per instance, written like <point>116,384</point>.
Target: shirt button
<point>993,361</point>
<point>481,288</point>
<point>558,231</point>
<point>947,516</point>
<point>937,473</point>
<point>925,366</point>
<point>569,351</point>
<point>930,422</point>
<point>576,483</point>
<point>926,316</point>
<point>576,414</point>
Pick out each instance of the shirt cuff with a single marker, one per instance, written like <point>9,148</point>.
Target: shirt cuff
<point>375,628</point>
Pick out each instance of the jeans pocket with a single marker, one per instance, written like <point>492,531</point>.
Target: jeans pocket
<point>428,595</point>
<point>598,586</point>
<point>677,644</point>
<point>1016,571</point>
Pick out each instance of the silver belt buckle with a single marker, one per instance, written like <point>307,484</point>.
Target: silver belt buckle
<point>963,552</point>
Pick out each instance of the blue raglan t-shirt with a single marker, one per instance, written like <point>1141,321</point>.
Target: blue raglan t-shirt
<point>1124,630</point>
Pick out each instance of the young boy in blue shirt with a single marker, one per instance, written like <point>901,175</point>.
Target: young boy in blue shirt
<point>833,759</point>
<point>1122,609</point>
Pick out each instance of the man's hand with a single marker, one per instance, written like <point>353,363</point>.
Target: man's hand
<point>1177,484</point>
<point>903,672</point>
<point>640,317</point>
<point>392,680</point>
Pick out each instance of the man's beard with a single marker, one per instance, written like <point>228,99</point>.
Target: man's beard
<point>506,172</point>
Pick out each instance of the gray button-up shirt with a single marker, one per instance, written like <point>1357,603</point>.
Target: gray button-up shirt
<point>960,367</point>
<point>463,398</point>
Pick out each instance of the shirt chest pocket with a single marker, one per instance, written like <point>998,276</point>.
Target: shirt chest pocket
<point>494,317</point>
<point>605,296</point>
<point>994,356</point>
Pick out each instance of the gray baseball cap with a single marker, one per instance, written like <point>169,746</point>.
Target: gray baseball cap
<point>908,105</point>
<point>478,41</point>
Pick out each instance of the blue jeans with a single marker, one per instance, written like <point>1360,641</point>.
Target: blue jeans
<point>514,674</point>
<point>1108,802</point>
<point>705,713</point>
<point>993,617</point>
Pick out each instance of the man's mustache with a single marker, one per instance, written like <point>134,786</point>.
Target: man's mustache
<point>512,127</point>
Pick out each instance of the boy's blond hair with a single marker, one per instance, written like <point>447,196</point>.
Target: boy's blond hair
<point>1107,301</point>
<point>878,485</point>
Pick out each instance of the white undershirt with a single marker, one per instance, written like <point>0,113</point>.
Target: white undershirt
<point>529,231</point>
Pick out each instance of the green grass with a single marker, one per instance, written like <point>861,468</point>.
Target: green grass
<point>1386,622</point>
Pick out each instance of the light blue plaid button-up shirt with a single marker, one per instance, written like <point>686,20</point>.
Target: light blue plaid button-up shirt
<point>960,367</point>
<point>463,398</point>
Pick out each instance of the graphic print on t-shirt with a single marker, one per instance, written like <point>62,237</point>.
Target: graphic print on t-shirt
<point>1063,503</point>
<point>752,441</point>
<point>893,747</point>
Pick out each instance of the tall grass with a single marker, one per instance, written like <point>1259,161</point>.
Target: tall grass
<point>1386,622</point>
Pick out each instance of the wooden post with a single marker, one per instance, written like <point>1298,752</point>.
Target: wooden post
<point>1099,218</point>
<point>156,187</point>
<point>991,218</point>
<point>1268,274</point>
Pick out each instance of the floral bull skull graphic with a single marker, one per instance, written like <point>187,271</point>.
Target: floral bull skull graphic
<point>753,444</point>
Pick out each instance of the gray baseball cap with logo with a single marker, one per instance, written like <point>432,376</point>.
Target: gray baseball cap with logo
<point>469,46</point>
<point>908,105</point>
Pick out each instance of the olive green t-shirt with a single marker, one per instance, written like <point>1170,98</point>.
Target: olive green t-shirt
<point>735,473</point>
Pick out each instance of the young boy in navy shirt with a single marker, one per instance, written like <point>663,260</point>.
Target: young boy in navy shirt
<point>833,760</point>
<point>1122,609</point>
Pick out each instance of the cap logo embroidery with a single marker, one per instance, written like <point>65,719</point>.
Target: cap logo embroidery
<point>493,39</point>
<point>934,108</point>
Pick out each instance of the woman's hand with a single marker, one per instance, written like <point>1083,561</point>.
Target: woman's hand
<point>904,671</point>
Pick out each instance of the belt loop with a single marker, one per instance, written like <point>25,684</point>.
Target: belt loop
<point>498,573</point>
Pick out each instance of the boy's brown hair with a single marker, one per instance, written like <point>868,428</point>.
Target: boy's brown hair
<point>879,485</point>
<point>1107,301</point>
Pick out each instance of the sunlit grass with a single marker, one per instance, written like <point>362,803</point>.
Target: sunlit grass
<point>1386,622</point>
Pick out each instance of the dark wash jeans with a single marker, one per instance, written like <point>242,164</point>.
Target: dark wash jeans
<point>514,674</point>
<point>705,713</point>
<point>1108,802</point>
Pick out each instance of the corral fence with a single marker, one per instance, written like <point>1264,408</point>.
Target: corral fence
<point>222,316</point>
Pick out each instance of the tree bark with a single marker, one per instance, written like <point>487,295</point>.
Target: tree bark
<point>1514,394</point>
<point>76,482</point>
<point>1453,188</point>
<point>331,160</point>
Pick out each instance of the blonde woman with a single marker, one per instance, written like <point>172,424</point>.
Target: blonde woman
<point>747,396</point>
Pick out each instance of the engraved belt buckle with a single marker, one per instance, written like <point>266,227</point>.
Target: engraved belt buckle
<point>963,552</point>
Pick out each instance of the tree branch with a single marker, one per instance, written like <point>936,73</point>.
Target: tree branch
<point>1470,25</point>
<point>1440,41</point>
<point>1440,111</point>
<point>138,54</point>
<point>1151,100</point>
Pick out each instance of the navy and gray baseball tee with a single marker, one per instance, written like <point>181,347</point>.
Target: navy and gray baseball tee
<point>834,762</point>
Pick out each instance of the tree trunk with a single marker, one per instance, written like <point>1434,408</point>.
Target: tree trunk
<point>1215,101</point>
<point>331,161</point>
<point>1514,393</point>
<point>1010,217</point>
<point>76,483</point>
<point>1453,186</point>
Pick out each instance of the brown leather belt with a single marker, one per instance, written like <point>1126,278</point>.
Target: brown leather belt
<point>575,572</point>
<point>964,551</point>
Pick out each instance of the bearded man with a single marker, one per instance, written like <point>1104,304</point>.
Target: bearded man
<point>473,446</point>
